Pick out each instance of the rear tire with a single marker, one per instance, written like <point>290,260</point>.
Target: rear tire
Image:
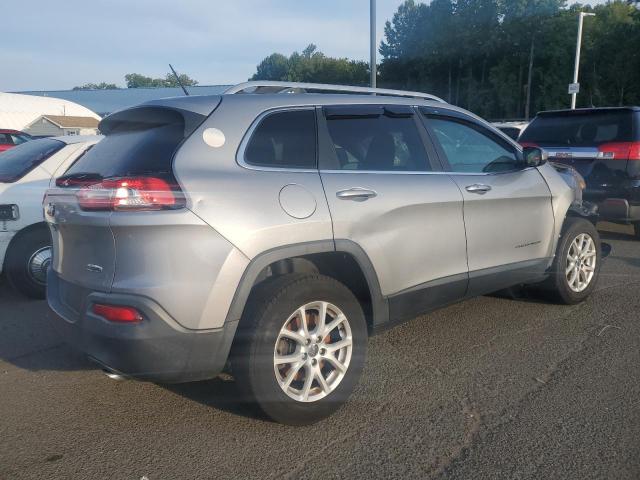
<point>299,373</point>
<point>27,261</point>
<point>636,227</point>
<point>576,267</point>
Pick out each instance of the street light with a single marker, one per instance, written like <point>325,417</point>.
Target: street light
<point>372,46</point>
<point>575,88</point>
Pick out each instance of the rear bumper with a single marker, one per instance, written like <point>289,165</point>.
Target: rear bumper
<point>157,349</point>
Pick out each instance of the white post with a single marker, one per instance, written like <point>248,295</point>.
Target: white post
<point>374,67</point>
<point>576,69</point>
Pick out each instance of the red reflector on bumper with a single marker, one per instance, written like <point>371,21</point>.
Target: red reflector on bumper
<point>115,313</point>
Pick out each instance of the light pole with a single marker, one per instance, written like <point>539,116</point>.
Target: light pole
<point>372,46</point>
<point>576,69</point>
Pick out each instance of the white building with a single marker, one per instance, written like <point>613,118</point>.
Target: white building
<point>19,112</point>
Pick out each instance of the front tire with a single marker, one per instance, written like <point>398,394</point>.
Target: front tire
<point>576,267</point>
<point>300,347</point>
<point>27,261</point>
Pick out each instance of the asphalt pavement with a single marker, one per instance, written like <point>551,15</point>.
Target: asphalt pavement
<point>489,388</point>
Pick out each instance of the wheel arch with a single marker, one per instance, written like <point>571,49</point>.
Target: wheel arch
<point>586,211</point>
<point>29,229</point>
<point>343,260</point>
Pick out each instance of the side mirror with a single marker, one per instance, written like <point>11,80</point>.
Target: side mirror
<point>535,156</point>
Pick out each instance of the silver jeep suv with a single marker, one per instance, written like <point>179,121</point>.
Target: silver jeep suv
<point>271,229</point>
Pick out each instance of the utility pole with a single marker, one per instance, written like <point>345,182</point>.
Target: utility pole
<point>527,107</point>
<point>576,70</point>
<point>374,67</point>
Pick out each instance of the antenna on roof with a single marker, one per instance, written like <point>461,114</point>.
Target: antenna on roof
<point>179,81</point>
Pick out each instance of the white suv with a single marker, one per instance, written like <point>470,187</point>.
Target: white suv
<point>26,172</point>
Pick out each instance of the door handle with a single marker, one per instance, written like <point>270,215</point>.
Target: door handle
<point>478,188</point>
<point>356,194</point>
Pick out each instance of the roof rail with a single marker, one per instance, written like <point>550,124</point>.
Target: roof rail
<point>298,87</point>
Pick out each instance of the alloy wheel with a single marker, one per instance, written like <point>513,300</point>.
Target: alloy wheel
<point>581,262</point>
<point>313,351</point>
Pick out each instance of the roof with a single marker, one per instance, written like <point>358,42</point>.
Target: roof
<point>73,139</point>
<point>19,111</point>
<point>69,121</point>
<point>510,124</point>
<point>583,111</point>
<point>301,87</point>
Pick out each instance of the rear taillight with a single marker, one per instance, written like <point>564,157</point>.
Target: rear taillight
<point>130,194</point>
<point>620,151</point>
<point>117,313</point>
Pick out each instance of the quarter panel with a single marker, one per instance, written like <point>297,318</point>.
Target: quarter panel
<point>179,261</point>
<point>243,204</point>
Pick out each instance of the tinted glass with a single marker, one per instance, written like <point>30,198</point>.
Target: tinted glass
<point>581,129</point>
<point>378,143</point>
<point>142,145</point>
<point>468,149</point>
<point>284,140</point>
<point>5,139</point>
<point>512,132</point>
<point>18,139</point>
<point>18,161</point>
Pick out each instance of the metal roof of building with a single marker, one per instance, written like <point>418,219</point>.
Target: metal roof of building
<point>69,121</point>
<point>109,101</point>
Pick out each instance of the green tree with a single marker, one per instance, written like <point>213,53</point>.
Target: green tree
<point>97,86</point>
<point>312,66</point>
<point>510,58</point>
<point>135,80</point>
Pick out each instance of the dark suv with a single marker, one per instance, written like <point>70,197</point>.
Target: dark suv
<point>603,144</point>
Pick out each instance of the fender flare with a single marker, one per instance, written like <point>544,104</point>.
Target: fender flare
<point>380,307</point>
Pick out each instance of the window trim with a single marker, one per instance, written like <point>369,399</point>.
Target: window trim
<point>326,145</point>
<point>456,117</point>
<point>242,149</point>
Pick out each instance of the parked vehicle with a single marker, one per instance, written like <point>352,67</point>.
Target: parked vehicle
<point>11,138</point>
<point>272,233</point>
<point>603,144</point>
<point>26,172</point>
<point>513,130</point>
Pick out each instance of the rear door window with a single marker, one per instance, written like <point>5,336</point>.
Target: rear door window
<point>284,140</point>
<point>376,139</point>
<point>580,129</point>
<point>18,161</point>
<point>5,139</point>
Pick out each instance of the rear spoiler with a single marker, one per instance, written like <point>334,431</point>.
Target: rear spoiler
<point>191,111</point>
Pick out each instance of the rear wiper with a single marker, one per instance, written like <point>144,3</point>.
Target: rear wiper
<point>78,179</point>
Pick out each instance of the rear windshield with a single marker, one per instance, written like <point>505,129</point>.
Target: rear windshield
<point>580,129</point>
<point>140,144</point>
<point>20,160</point>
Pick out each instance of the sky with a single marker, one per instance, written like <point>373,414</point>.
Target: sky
<point>50,45</point>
